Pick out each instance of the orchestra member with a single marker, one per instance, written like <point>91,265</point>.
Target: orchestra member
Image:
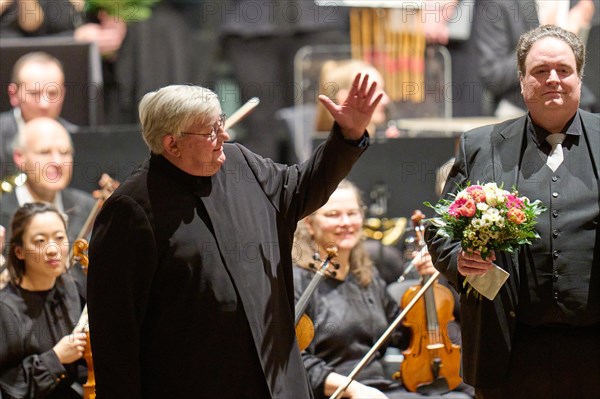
<point>39,353</point>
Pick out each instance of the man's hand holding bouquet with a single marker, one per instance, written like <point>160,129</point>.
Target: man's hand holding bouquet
<point>486,218</point>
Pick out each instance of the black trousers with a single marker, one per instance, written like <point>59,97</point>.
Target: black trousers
<point>552,363</point>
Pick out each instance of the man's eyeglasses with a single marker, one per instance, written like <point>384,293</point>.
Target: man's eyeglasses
<point>214,131</point>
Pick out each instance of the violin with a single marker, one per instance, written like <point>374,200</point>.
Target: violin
<point>79,253</point>
<point>431,362</point>
<point>80,248</point>
<point>305,329</point>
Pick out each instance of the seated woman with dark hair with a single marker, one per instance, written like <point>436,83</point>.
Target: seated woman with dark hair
<point>40,355</point>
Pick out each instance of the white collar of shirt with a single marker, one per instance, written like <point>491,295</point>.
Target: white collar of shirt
<point>25,197</point>
<point>19,119</point>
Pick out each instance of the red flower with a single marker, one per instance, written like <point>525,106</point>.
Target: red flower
<point>516,215</point>
<point>476,192</point>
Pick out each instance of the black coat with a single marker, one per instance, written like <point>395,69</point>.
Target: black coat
<point>29,367</point>
<point>190,287</point>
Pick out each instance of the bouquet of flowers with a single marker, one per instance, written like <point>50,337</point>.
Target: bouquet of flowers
<point>487,218</point>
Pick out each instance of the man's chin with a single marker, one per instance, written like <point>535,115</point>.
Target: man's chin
<point>221,159</point>
<point>554,103</point>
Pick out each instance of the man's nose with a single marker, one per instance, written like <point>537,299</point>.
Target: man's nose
<point>553,76</point>
<point>223,135</point>
<point>57,158</point>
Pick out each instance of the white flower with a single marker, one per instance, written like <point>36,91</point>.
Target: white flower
<point>490,190</point>
<point>482,206</point>
<point>477,223</point>
<point>490,216</point>
<point>463,194</point>
<point>501,195</point>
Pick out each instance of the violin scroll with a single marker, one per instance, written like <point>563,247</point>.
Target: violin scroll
<point>80,253</point>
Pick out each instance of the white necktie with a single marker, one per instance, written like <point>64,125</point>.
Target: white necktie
<point>556,154</point>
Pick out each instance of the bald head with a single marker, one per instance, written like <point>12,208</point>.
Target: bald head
<point>44,152</point>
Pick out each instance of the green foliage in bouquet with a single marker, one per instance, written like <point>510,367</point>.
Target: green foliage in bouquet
<point>127,10</point>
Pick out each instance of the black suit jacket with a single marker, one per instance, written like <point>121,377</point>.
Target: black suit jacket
<point>491,153</point>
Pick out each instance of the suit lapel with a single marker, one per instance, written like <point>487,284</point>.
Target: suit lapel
<point>591,127</point>
<point>506,161</point>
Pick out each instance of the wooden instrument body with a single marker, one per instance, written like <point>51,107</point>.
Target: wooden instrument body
<point>430,351</point>
<point>80,248</point>
<point>89,388</point>
<point>305,328</point>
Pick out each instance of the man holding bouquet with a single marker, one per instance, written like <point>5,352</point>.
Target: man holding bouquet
<point>538,336</point>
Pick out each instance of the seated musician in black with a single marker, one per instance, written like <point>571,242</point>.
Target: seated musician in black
<point>40,356</point>
<point>350,311</point>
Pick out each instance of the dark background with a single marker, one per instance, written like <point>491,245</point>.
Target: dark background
<point>403,170</point>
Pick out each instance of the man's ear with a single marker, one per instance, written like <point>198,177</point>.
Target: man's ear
<point>522,82</point>
<point>18,157</point>
<point>13,95</point>
<point>170,146</point>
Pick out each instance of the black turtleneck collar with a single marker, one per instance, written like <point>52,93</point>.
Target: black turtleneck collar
<point>199,185</point>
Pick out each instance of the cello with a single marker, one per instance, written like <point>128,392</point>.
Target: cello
<point>431,362</point>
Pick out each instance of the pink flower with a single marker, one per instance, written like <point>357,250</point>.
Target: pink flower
<point>453,208</point>
<point>515,215</point>
<point>512,201</point>
<point>476,192</point>
<point>462,207</point>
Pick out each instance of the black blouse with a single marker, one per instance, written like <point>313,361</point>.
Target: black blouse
<point>31,323</point>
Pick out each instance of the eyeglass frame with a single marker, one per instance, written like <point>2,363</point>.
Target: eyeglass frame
<point>214,131</point>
